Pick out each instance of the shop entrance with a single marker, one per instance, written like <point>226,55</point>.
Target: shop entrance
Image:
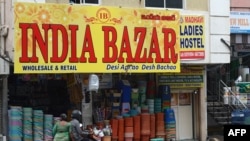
<point>182,104</point>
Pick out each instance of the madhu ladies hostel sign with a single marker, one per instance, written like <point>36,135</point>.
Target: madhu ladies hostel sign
<point>58,38</point>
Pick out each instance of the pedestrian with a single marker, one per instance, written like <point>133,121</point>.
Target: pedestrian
<point>62,129</point>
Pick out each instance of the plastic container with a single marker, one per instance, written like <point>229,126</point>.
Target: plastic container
<point>157,139</point>
<point>246,117</point>
<point>170,124</point>
<point>151,89</point>
<point>152,126</point>
<point>121,129</point>
<point>106,138</point>
<point>164,92</point>
<point>137,127</point>
<point>237,117</point>
<point>145,124</point>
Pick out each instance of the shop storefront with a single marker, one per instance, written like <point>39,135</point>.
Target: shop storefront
<point>135,53</point>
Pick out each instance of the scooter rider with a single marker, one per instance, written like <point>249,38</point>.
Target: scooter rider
<point>77,133</point>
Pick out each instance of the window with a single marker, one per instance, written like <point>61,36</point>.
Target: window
<point>85,1</point>
<point>164,3</point>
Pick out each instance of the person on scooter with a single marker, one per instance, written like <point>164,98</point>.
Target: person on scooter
<point>77,133</point>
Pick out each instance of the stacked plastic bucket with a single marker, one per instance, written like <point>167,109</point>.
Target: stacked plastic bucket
<point>142,87</point>
<point>164,93</point>
<point>160,130</point>
<point>151,89</point>
<point>134,98</point>
<point>38,125</point>
<point>114,126</point>
<point>126,98</point>
<point>152,126</point>
<point>15,124</point>
<point>157,105</point>
<point>121,129</point>
<point>150,103</point>
<point>145,127</point>
<point>157,139</point>
<point>246,117</point>
<point>27,124</point>
<point>237,117</point>
<point>128,127</point>
<point>137,128</point>
<point>170,124</point>
<point>48,127</point>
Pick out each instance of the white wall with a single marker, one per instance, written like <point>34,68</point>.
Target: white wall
<point>219,29</point>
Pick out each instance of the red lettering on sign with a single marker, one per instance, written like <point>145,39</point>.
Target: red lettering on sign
<point>154,55</point>
<point>109,44</point>
<point>142,32</point>
<point>37,39</point>
<point>149,53</point>
<point>169,45</point>
<point>125,47</point>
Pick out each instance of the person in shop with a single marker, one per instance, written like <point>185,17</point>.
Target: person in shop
<point>96,134</point>
<point>77,133</point>
<point>62,129</point>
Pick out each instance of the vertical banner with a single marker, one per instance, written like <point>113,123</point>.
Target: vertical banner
<point>192,37</point>
<point>63,38</point>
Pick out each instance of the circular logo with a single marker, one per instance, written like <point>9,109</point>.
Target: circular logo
<point>103,15</point>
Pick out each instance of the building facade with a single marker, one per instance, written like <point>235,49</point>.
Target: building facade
<point>215,26</point>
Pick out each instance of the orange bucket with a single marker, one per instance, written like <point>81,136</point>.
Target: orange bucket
<point>114,127</point>
<point>106,138</point>
<point>152,125</point>
<point>129,132</point>
<point>145,138</point>
<point>128,121</point>
<point>145,124</point>
<point>137,127</point>
<point>121,129</point>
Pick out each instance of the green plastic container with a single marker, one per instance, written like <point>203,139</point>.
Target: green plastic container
<point>157,139</point>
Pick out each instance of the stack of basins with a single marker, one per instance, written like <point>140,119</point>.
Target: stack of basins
<point>150,103</point>
<point>246,117</point>
<point>48,127</point>
<point>145,126</point>
<point>38,125</point>
<point>128,127</point>
<point>114,126</point>
<point>157,139</point>
<point>164,93</point>
<point>121,129</point>
<point>15,124</point>
<point>126,99</point>
<point>134,98</point>
<point>27,124</point>
<point>170,124</point>
<point>152,126</point>
<point>237,117</point>
<point>137,128</point>
<point>157,105</point>
<point>151,89</point>
<point>142,87</point>
<point>160,130</point>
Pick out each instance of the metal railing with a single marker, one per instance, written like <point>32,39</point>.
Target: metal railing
<point>225,108</point>
<point>234,102</point>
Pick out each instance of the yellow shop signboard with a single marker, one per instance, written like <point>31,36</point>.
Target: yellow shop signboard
<point>63,38</point>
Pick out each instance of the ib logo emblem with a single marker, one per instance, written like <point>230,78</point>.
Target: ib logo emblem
<point>103,15</point>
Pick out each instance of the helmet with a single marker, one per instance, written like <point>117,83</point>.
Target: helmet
<point>63,116</point>
<point>76,114</point>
